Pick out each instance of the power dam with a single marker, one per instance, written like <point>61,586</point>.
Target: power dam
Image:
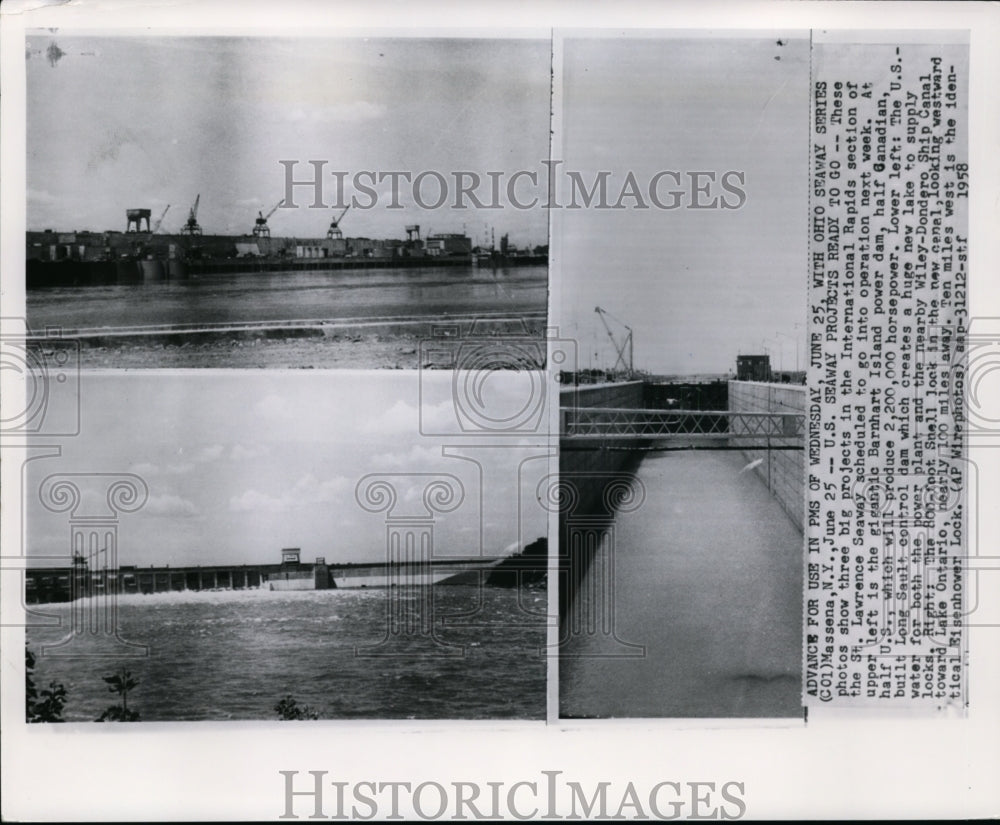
<point>79,580</point>
<point>681,547</point>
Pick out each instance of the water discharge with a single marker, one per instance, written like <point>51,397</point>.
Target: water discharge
<point>234,654</point>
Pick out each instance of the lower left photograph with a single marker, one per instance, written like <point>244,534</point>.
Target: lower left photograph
<point>289,546</point>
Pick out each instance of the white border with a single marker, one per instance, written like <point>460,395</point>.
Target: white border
<point>851,768</point>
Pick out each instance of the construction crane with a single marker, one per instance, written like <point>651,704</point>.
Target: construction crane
<point>159,221</point>
<point>623,348</point>
<point>260,227</point>
<point>191,227</point>
<point>334,233</point>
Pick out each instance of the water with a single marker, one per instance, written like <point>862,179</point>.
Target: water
<point>286,296</point>
<point>708,577</point>
<point>233,655</point>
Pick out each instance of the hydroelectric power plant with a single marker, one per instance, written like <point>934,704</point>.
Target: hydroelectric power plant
<point>81,579</point>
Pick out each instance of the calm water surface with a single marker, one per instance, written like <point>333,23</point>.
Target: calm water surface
<point>284,296</point>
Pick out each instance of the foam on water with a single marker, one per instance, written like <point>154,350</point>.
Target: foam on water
<point>233,654</point>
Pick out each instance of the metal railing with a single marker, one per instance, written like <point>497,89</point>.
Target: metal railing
<point>614,422</point>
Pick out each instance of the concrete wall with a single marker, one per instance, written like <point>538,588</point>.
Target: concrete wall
<point>300,583</point>
<point>782,470</point>
<point>581,458</point>
<point>578,459</point>
<point>627,394</point>
<point>686,395</point>
<point>593,467</point>
<point>61,584</point>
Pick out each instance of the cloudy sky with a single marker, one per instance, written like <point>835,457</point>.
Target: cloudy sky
<point>242,464</point>
<point>146,121</point>
<point>696,286</point>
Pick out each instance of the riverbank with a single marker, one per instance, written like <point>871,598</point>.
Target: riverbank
<point>425,342</point>
<point>356,352</point>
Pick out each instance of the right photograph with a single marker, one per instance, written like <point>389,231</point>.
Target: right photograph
<point>679,244</point>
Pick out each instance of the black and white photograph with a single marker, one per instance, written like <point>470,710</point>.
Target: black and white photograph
<point>681,452</point>
<point>233,546</point>
<point>445,411</point>
<point>206,201</point>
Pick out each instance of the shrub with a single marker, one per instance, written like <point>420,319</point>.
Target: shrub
<point>289,710</point>
<point>121,683</point>
<point>44,706</point>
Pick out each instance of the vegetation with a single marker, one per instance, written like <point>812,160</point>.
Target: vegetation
<point>289,710</point>
<point>528,567</point>
<point>121,683</point>
<point>46,705</point>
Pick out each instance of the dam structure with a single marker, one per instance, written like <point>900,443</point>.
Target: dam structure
<point>81,580</point>
<point>681,549</point>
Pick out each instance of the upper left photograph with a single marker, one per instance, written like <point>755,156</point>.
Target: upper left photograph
<point>312,202</point>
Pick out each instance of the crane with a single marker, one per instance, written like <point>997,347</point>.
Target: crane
<point>622,347</point>
<point>191,227</point>
<point>159,221</point>
<point>334,233</point>
<point>260,227</point>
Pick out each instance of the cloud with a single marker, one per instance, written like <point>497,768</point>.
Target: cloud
<point>41,197</point>
<point>253,501</point>
<point>400,417</point>
<point>144,469</point>
<point>147,469</point>
<point>417,458</point>
<point>210,453</point>
<point>404,418</point>
<point>169,504</point>
<point>241,453</point>
<point>273,406</point>
<point>186,461</point>
<point>308,491</point>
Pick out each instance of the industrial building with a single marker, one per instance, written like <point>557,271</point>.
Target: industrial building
<point>753,368</point>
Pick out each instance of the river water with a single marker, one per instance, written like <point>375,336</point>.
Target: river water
<point>234,654</point>
<point>286,296</point>
<point>707,606</point>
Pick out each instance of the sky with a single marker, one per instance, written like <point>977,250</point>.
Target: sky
<point>147,121</point>
<point>242,464</point>
<point>697,287</point>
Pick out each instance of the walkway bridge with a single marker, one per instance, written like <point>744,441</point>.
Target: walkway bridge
<point>658,429</point>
